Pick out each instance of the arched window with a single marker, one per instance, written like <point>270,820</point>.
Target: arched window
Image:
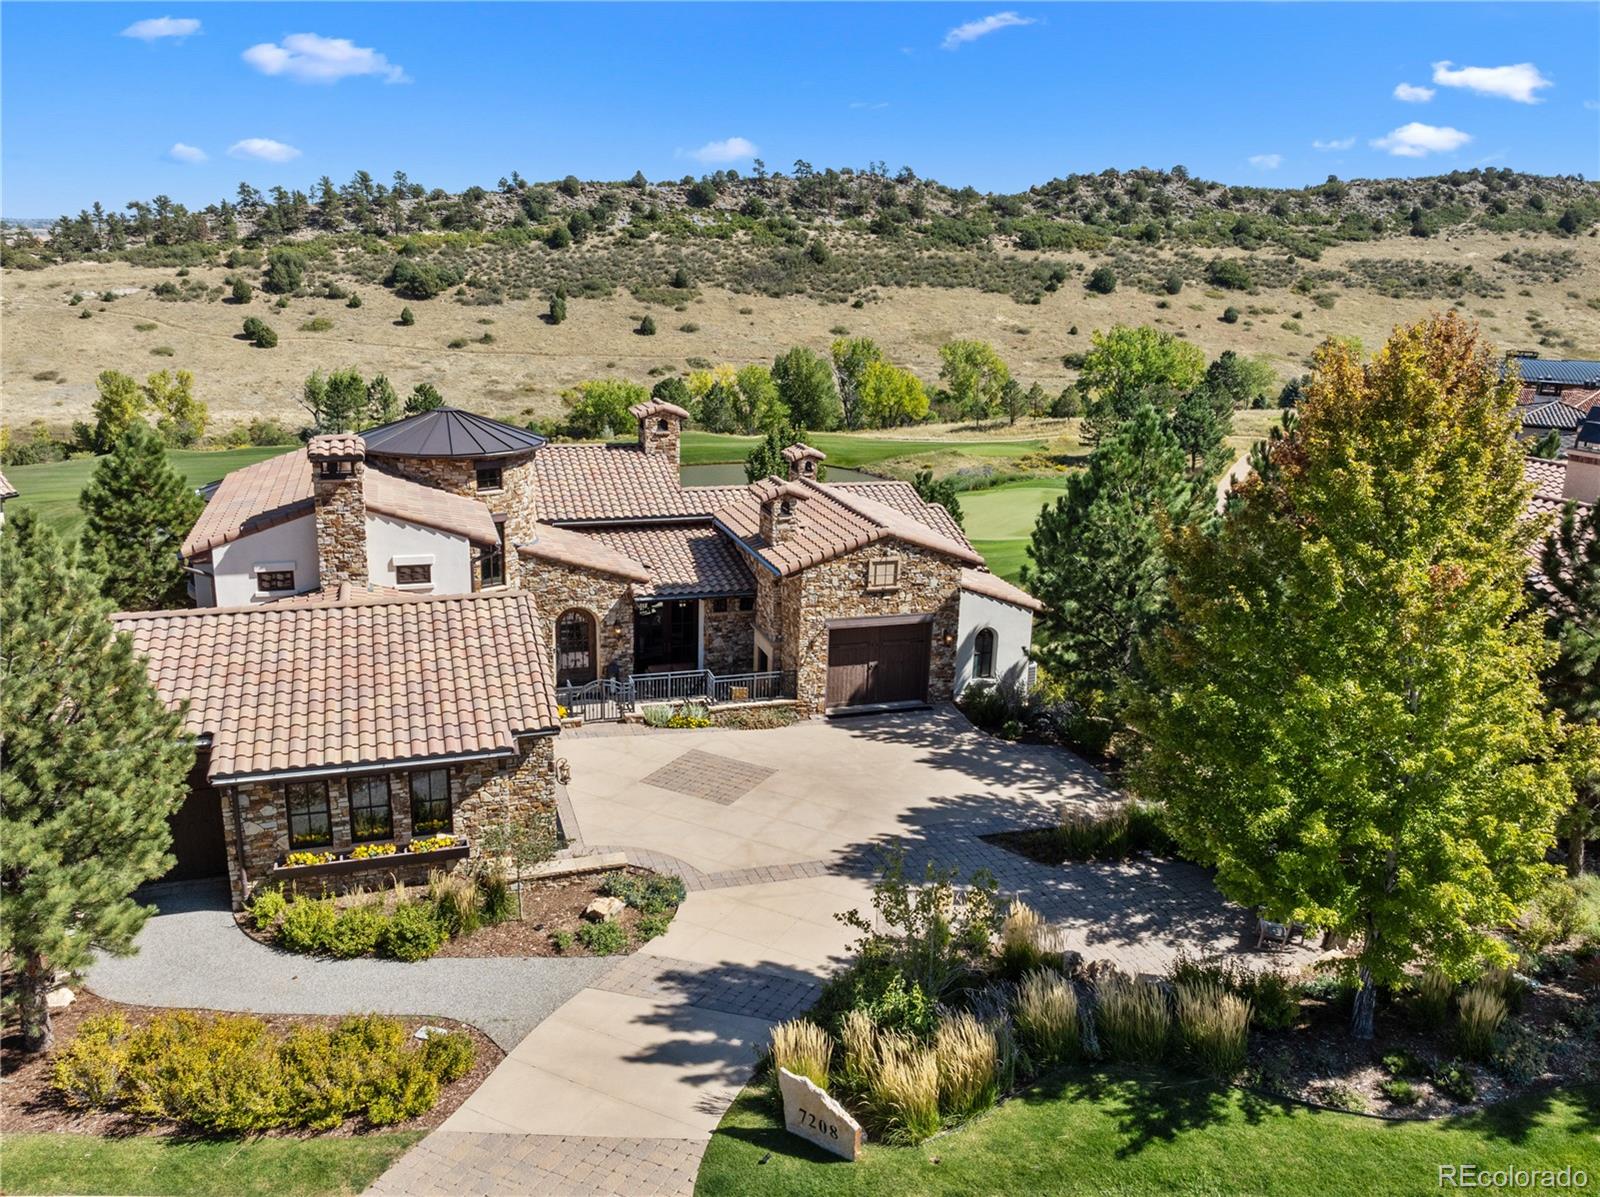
<point>575,645</point>
<point>983,653</point>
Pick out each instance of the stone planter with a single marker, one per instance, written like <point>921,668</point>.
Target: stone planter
<point>344,868</point>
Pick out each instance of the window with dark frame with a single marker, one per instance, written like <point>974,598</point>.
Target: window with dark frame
<point>747,603</point>
<point>413,575</point>
<point>883,574</point>
<point>719,605</point>
<point>493,562</point>
<point>430,802</point>
<point>275,579</point>
<point>983,653</point>
<point>490,477</point>
<point>310,825</point>
<point>371,816</point>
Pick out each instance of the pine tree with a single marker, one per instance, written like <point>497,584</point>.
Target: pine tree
<point>1201,430</point>
<point>138,511</point>
<point>92,764</point>
<point>1096,557</point>
<point>1344,717</point>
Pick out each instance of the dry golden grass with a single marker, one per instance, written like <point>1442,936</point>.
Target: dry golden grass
<point>1046,1015</point>
<point>523,371</point>
<point>803,1048</point>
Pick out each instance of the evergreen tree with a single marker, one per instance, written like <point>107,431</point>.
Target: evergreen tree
<point>138,509</point>
<point>1569,565</point>
<point>1201,430</point>
<point>1547,446</point>
<point>407,317</point>
<point>1096,557</point>
<point>243,292</point>
<point>383,405</point>
<point>91,765</point>
<point>558,307</point>
<point>941,491</point>
<point>423,398</point>
<point>1344,717</point>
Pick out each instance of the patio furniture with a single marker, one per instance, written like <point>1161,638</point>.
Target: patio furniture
<point>1283,934</point>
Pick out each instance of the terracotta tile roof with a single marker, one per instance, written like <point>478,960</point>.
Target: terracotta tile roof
<point>389,494</point>
<point>902,496</point>
<point>281,688</point>
<point>566,547</point>
<point>344,592</point>
<point>337,446</point>
<point>981,581</point>
<point>683,560</point>
<point>832,521</point>
<point>657,407</point>
<point>7,491</point>
<point>270,492</point>
<point>620,483</point>
<point>800,451</point>
<point>1546,505</point>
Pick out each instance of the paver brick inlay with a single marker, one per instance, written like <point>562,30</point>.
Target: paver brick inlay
<point>718,779</point>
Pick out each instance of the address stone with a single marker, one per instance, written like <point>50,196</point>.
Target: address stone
<point>814,1116</point>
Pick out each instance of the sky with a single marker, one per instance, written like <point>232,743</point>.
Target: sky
<point>112,102</point>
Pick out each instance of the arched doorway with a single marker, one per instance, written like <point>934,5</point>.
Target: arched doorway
<point>575,648</point>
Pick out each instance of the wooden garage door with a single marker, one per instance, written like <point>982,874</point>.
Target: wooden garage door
<point>877,663</point>
<point>196,829</point>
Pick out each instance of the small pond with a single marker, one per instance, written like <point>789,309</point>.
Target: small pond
<point>732,474</point>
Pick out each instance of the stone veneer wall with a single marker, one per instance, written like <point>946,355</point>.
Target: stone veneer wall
<point>481,792</point>
<point>794,612</point>
<point>730,642</point>
<point>557,588</point>
<point>517,499</point>
<point>655,439</point>
<point>341,516</point>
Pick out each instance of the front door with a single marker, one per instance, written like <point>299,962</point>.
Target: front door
<point>666,636</point>
<point>575,655</point>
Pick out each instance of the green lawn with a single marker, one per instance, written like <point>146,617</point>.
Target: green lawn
<point>51,491</point>
<point>1004,557</point>
<point>1098,1133</point>
<point>1007,512</point>
<point>167,1167</point>
<point>852,449</point>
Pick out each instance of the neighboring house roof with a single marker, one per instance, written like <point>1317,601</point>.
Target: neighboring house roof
<point>1551,414</point>
<point>344,592</point>
<point>902,496</point>
<point>683,560</point>
<point>259,496</point>
<point>340,684</point>
<point>279,489</point>
<point>450,432</point>
<point>388,494</point>
<point>1569,373</point>
<point>615,483</point>
<point>7,491</point>
<point>566,547</point>
<point>1582,398</point>
<point>830,522</point>
<point>981,581</point>
<point>1547,504</point>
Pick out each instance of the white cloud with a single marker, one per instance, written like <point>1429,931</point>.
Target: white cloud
<point>263,148</point>
<point>155,28</point>
<point>312,58</point>
<point>973,30</point>
<point>1517,82</point>
<point>1266,161</point>
<point>1417,140</point>
<point>1333,143</point>
<point>1410,93</point>
<point>869,106</point>
<point>186,153</point>
<point>733,149</point>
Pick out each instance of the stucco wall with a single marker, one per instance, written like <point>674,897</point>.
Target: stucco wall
<point>233,564</point>
<point>389,538</point>
<point>1013,627</point>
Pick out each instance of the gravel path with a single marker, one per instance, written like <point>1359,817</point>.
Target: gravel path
<point>192,954</point>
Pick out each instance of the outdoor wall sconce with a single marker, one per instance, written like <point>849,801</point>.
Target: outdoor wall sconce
<point>949,639</point>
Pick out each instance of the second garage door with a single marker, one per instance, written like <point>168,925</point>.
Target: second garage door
<point>878,663</point>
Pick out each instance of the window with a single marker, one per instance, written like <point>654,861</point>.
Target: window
<point>763,662</point>
<point>275,579</point>
<point>983,653</point>
<point>430,802</point>
<point>1549,388</point>
<point>883,574</point>
<point>413,575</point>
<point>493,561</point>
<point>309,824</point>
<point>720,606</point>
<point>489,477</point>
<point>370,816</point>
<point>747,603</point>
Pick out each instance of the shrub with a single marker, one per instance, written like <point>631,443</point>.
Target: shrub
<point>242,291</point>
<point>449,1056</point>
<point>1112,832</point>
<point>455,902</point>
<point>496,901</point>
<point>1026,941</point>
<point>1404,1064</point>
<point>563,940</point>
<point>261,336</point>
<point>803,1048</point>
<point>353,302</point>
<point>1455,1080</point>
<point>647,327</point>
<point>286,269</point>
<point>1132,1021</point>
<point>420,280</point>
<point>88,1071</point>
<point>1045,1011</point>
<point>1102,281</point>
<point>317,324</point>
<point>456,343</point>
<point>1274,1001</point>
<point>1229,273</point>
<point>407,317</point>
<point>307,925</point>
<point>558,308</point>
<point>1552,917</point>
<point>877,988</point>
<point>355,932</point>
<point>1400,1093</point>
<point>1429,1001</point>
<point>969,1065</point>
<point>1342,1097</point>
<point>412,933</point>
<point>1230,315</point>
<point>903,1092</point>
<point>653,893</point>
<point>603,939</point>
<point>266,908</point>
<point>652,926</point>
<point>1213,1029</point>
<point>1479,1014</point>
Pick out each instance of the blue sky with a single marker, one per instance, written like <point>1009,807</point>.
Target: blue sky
<point>116,101</point>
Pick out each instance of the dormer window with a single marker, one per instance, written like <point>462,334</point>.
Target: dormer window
<point>490,477</point>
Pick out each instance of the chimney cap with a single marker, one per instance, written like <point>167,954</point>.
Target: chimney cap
<point>337,446</point>
<point>800,451</point>
<point>773,487</point>
<point>656,407</point>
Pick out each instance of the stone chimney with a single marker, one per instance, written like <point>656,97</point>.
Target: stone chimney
<point>1583,461</point>
<point>660,427</point>
<point>338,463</point>
<point>780,507</point>
<point>803,461</point>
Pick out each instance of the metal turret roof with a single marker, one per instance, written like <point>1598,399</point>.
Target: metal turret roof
<point>450,432</point>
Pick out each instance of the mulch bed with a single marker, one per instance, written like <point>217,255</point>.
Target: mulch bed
<point>28,1102</point>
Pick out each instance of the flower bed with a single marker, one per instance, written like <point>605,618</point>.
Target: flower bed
<point>430,852</point>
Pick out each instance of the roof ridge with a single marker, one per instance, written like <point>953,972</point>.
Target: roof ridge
<point>379,600</point>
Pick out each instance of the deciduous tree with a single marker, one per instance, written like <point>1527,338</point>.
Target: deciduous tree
<point>891,397</point>
<point>975,377</point>
<point>1128,368</point>
<point>805,384</point>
